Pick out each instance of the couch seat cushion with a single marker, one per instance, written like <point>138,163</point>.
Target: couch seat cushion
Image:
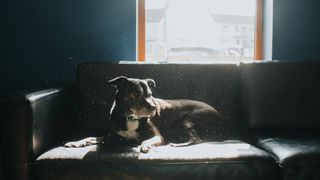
<point>232,160</point>
<point>293,152</point>
<point>232,150</point>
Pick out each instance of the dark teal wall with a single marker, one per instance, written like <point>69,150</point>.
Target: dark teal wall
<point>45,40</point>
<point>296,30</point>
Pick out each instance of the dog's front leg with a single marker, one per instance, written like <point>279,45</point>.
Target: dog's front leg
<point>156,140</point>
<point>85,142</point>
<point>150,143</point>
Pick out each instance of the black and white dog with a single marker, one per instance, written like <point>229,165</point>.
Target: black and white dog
<point>138,116</point>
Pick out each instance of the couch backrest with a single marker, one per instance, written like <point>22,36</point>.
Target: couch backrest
<point>282,95</point>
<point>215,84</point>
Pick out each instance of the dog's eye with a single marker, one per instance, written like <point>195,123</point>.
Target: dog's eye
<point>149,95</point>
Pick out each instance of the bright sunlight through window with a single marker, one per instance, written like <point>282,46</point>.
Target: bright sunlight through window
<point>200,30</point>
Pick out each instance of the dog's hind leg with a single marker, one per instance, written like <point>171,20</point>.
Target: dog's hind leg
<point>189,132</point>
<point>193,140</point>
<point>184,144</point>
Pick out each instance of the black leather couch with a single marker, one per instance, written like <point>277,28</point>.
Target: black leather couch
<point>282,101</point>
<point>271,108</point>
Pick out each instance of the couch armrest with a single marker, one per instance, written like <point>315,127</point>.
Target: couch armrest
<point>31,123</point>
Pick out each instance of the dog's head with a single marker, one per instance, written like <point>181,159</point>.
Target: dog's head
<point>134,97</point>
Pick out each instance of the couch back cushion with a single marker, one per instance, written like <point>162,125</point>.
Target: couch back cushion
<point>216,84</point>
<point>282,95</point>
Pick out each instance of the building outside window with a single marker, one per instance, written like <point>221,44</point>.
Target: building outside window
<point>199,30</point>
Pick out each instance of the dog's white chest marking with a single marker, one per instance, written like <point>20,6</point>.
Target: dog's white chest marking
<point>131,133</point>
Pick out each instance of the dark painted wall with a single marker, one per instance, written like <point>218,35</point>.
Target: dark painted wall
<point>296,30</point>
<point>45,40</point>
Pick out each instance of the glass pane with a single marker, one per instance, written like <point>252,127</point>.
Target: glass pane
<point>199,30</point>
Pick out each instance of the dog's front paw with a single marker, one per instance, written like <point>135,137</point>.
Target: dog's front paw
<point>146,148</point>
<point>74,144</point>
<point>82,143</point>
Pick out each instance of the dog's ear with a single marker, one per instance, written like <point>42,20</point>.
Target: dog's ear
<point>118,81</point>
<point>151,83</point>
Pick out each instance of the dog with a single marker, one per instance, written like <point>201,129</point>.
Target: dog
<point>136,116</point>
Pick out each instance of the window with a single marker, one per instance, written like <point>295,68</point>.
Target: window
<point>193,30</point>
